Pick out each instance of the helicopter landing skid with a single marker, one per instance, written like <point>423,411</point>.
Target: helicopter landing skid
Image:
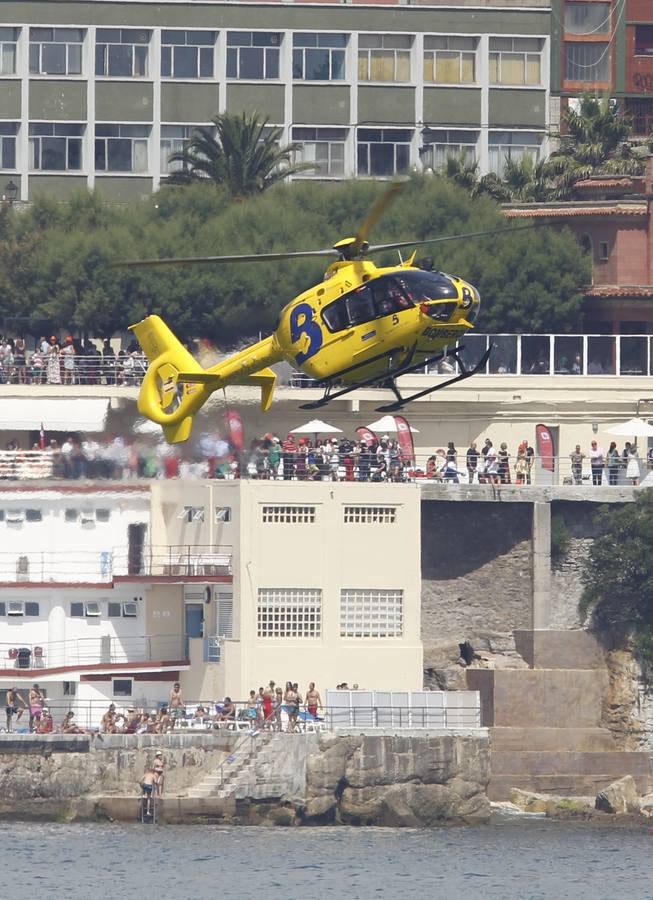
<point>465,373</point>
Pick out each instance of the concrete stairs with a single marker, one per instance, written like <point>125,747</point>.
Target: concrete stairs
<point>252,771</point>
<point>545,722</point>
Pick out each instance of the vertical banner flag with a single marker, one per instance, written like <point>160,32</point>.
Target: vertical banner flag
<point>405,439</point>
<point>366,435</point>
<point>42,438</point>
<point>235,432</point>
<point>545,447</point>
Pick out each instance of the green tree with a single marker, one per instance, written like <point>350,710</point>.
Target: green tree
<point>618,573</point>
<point>244,155</point>
<point>596,140</point>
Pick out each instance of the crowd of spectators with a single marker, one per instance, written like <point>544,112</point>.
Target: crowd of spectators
<point>69,360</point>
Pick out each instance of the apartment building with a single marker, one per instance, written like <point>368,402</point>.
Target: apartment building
<point>109,593</point>
<point>606,46</point>
<point>100,94</point>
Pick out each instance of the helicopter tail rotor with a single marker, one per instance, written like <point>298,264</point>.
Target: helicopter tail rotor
<point>164,397</point>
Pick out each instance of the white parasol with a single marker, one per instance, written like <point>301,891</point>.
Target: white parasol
<point>315,427</point>
<point>632,428</point>
<point>387,423</point>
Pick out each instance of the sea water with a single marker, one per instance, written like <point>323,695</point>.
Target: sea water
<point>528,860</point>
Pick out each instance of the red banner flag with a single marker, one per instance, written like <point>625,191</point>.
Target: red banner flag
<point>545,447</point>
<point>235,431</point>
<point>405,439</point>
<point>366,435</point>
<point>42,438</point>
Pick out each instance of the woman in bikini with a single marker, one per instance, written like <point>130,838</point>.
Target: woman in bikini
<point>35,707</point>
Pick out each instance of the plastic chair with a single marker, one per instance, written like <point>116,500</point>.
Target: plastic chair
<point>13,653</point>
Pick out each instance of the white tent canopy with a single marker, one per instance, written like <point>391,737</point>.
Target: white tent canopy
<point>387,423</point>
<point>316,426</point>
<point>632,428</point>
<point>74,414</point>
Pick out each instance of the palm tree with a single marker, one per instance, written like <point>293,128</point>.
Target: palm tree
<point>244,155</point>
<point>597,141</point>
<point>527,181</point>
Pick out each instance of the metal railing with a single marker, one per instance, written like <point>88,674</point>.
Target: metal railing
<point>102,566</point>
<point>104,649</point>
<point>127,370</point>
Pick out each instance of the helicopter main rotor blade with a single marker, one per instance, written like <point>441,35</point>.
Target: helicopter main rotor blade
<point>497,232</point>
<point>376,212</point>
<point>248,257</point>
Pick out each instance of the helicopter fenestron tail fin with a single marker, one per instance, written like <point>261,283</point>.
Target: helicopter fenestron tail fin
<point>175,386</point>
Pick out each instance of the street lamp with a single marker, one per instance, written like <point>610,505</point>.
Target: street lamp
<point>10,192</point>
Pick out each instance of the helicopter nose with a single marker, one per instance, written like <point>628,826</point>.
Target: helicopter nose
<point>472,313</point>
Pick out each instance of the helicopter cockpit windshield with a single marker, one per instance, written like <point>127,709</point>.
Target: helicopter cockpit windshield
<point>424,286</point>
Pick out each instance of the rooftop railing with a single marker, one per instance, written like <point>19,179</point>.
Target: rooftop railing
<point>104,649</point>
<point>102,566</point>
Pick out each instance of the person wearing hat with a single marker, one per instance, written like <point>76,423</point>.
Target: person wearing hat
<point>158,766</point>
<point>108,722</point>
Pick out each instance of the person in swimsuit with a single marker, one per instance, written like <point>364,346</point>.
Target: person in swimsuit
<point>291,700</point>
<point>268,702</point>
<point>12,708</point>
<point>277,706</point>
<point>176,705</point>
<point>35,706</point>
<point>313,700</point>
<point>252,709</point>
<point>148,784</point>
<point>159,770</point>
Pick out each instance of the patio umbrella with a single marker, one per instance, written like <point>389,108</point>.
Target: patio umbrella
<point>632,428</point>
<point>387,423</point>
<point>315,427</point>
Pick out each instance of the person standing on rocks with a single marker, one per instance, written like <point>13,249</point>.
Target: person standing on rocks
<point>313,700</point>
<point>12,708</point>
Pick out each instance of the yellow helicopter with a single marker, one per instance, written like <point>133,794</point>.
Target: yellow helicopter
<point>361,326</point>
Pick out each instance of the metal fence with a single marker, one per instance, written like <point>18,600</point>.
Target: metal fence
<point>105,649</point>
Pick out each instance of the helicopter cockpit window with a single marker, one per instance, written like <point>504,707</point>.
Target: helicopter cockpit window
<point>360,306</point>
<point>389,297</point>
<point>379,297</point>
<point>424,286</point>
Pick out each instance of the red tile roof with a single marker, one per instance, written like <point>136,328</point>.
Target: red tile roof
<point>620,291</point>
<point>571,211</point>
<point>605,182</point>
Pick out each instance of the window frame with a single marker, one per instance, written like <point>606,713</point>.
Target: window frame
<point>4,44</point>
<point>300,52</point>
<point>513,146</point>
<point>8,138</point>
<point>367,55</point>
<point>602,48</point>
<point>430,55</point>
<point>432,149</point>
<point>168,50</point>
<point>585,6</point>
<point>105,139</point>
<point>67,43</point>
<point>302,608</point>
<point>73,145</point>
<point>360,620</point>
<point>103,53</point>
<point>271,55</point>
<point>365,145</point>
<point>122,694</point>
<point>335,168</point>
<point>495,58</point>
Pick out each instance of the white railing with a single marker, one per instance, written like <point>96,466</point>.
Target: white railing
<point>38,369</point>
<point>104,649</point>
<point>402,709</point>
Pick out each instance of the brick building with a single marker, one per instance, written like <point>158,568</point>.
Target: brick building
<point>612,218</point>
<point>605,46</point>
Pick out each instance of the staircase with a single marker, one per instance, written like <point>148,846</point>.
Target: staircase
<point>545,722</point>
<point>254,770</point>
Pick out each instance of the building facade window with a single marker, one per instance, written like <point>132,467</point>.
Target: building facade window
<point>370,515</point>
<point>8,46</point>
<point>514,146</point>
<point>440,143</point>
<point>174,139</point>
<point>285,514</point>
<point>587,61</point>
<point>122,687</point>
<point>253,54</point>
<point>8,132</point>
<point>383,151</point>
<point>588,18</point>
<point>384,57</point>
<point>121,148</point>
<point>516,61</point>
<point>643,40</point>
<point>324,148</point>
<point>55,147</point>
<point>55,51</point>
<point>449,60</point>
<point>289,613</point>
<point>122,52</point>
<point>187,54</point>
<point>371,613</point>
<point>318,57</point>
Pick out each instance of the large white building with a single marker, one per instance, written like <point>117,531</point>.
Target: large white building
<point>109,592</point>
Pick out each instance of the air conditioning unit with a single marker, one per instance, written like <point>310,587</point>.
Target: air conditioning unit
<point>15,608</point>
<point>15,517</point>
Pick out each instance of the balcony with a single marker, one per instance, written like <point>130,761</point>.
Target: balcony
<point>102,653</point>
<point>176,562</point>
